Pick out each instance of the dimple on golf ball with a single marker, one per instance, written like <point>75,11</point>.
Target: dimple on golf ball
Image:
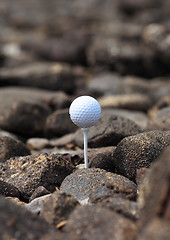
<point>85,111</point>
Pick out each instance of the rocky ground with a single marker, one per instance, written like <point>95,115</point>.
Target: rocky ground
<point>117,51</point>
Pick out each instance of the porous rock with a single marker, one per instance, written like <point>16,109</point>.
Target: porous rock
<point>28,173</point>
<point>18,222</point>
<point>58,207</point>
<point>59,124</point>
<point>109,131</point>
<point>94,222</point>
<point>154,194</point>
<point>139,151</point>
<point>9,147</point>
<point>83,182</point>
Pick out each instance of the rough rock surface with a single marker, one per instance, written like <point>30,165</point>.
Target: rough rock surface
<point>139,151</point>
<point>109,131</point>
<point>58,207</point>
<point>21,224</point>
<point>28,173</point>
<point>9,147</point>
<point>83,182</point>
<point>104,224</point>
<point>154,196</point>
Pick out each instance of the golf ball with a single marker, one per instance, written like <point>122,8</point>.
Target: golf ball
<point>85,111</point>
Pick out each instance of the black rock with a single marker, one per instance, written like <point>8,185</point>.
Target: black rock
<point>139,151</point>
<point>9,147</point>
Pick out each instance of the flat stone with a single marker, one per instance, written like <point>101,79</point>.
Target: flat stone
<point>28,173</point>
<point>139,151</point>
<point>94,222</point>
<point>35,206</point>
<point>52,76</point>
<point>18,222</point>
<point>83,182</point>
<point>58,207</point>
<point>109,131</point>
<point>38,143</point>
<point>9,147</point>
<point>132,102</point>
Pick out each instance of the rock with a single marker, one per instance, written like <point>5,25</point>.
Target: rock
<point>83,182</point>
<point>154,199</point>
<point>58,101</point>
<point>25,118</point>
<point>52,76</point>
<point>58,207</point>
<point>105,83</point>
<point>28,173</point>
<point>9,147</point>
<point>8,189</point>
<point>59,124</point>
<point>59,49</point>
<point>162,103</point>
<point>120,55</point>
<point>160,120</point>
<point>122,206</point>
<point>140,118</point>
<point>102,158</point>
<point>139,151</point>
<point>40,191</point>
<point>140,173</point>
<point>16,221</point>
<point>155,230</point>
<point>109,131</point>
<point>35,206</point>
<point>132,102</point>
<point>38,143</point>
<point>93,222</point>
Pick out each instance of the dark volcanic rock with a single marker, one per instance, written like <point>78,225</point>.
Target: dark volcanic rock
<point>102,158</point>
<point>83,182</point>
<point>16,222</point>
<point>58,207</point>
<point>109,131</point>
<point>50,76</point>
<point>25,118</point>
<point>59,124</point>
<point>28,173</point>
<point>154,191</point>
<point>8,189</point>
<point>9,147</point>
<point>139,151</point>
<point>93,222</point>
<point>160,119</point>
<point>122,206</point>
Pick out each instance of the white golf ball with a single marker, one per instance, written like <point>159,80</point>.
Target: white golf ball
<point>85,111</point>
